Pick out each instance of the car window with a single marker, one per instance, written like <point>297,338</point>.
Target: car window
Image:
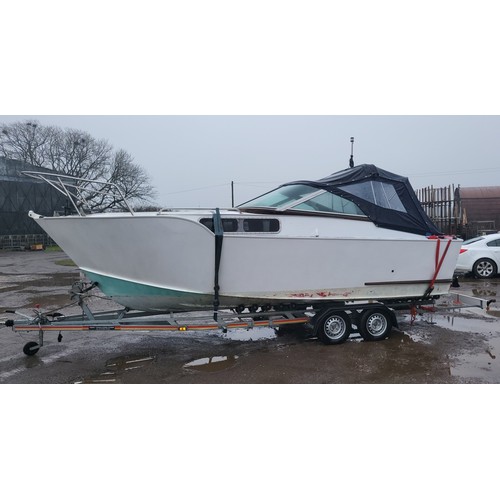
<point>494,243</point>
<point>473,240</point>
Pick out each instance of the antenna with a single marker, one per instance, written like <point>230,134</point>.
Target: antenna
<point>351,160</point>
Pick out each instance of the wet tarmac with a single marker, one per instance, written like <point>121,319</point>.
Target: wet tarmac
<point>441,347</point>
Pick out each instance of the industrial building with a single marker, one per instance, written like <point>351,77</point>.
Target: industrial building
<point>465,211</point>
<point>480,209</point>
<point>18,195</point>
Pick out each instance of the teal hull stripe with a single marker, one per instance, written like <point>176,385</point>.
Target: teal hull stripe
<point>116,287</point>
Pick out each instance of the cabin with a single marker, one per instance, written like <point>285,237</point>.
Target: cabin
<point>18,195</point>
<point>465,211</point>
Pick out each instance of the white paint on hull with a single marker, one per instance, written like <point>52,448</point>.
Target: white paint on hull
<point>310,259</point>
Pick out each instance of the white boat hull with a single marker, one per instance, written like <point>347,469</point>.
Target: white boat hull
<point>165,262</point>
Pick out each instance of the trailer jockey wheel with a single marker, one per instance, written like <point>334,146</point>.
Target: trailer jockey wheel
<point>333,327</point>
<point>374,325</point>
<point>31,348</point>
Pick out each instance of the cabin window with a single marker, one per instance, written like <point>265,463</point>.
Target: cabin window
<point>228,225</point>
<point>379,193</point>
<point>247,225</point>
<point>329,202</point>
<point>261,225</point>
<point>493,243</point>
<point>281,197</point>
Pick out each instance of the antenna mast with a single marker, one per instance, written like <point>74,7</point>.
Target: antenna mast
<point>351,160</point>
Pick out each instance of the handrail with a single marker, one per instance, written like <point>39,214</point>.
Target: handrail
<point>77,189</point>
<point>195,209</point>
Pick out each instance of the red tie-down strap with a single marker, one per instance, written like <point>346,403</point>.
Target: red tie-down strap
<point>438,264</point>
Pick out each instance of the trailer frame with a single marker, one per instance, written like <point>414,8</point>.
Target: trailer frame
<point>331,322</point>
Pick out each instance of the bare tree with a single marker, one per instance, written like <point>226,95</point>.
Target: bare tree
<point>26,141</point>
<point>78,154</point>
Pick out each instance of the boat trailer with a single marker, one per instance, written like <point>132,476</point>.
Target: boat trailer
<point>331,323</point>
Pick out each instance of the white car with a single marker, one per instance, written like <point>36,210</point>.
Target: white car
<point>480,256</point>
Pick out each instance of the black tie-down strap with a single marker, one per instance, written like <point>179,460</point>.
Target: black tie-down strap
<point>219,236</point>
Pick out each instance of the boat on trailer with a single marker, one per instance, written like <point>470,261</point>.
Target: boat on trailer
<point>338,254</point>
<point>359,234</point>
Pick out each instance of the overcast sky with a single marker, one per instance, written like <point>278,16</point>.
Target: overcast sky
<point>266,92</point>
<point>193,159</point>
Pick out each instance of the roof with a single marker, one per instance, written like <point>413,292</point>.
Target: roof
<point>480,192</point>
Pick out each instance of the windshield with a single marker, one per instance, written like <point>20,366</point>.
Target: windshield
<point>302,197</point>
<point>280,197</point>
<point>331,203</point>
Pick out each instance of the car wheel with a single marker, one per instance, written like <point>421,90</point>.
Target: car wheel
<point>484,268</point>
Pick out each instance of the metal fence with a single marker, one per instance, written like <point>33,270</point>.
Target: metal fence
<point>441,207</point>
<point>24,241</point>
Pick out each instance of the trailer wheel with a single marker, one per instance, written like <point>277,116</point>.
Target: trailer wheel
<point>333,327</point>
<point>374,325</point>
<point>31,348</point>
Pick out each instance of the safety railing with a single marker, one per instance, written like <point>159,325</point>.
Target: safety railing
<point>82,192</point>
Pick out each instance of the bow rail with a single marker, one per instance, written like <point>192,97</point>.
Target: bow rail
<point>81,191</point>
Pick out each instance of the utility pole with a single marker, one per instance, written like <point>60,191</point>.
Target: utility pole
<point>232,194</point>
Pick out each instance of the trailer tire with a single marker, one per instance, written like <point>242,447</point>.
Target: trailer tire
<point>333,327</point>
<point>374,324</point>
<point>31,348</point>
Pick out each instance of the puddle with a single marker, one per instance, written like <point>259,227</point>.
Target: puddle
<point>47,301</point>
<point>116,367</point>
<point>420,330</point>
<point>484,366</point>
<point>485,290</point>
<point>125,363</point>
<point>10,280</point>
<point>25,291</point>
<point>421,338</point>
<point>20,280</point>
<point>213,364</point>
<point>260,333</point>
<point>466,325</point>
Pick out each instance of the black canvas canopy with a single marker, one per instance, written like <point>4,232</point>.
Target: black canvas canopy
<point>386,198</point>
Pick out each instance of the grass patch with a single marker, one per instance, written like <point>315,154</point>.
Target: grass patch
<point>65,262</point>
<point>53,248</point>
